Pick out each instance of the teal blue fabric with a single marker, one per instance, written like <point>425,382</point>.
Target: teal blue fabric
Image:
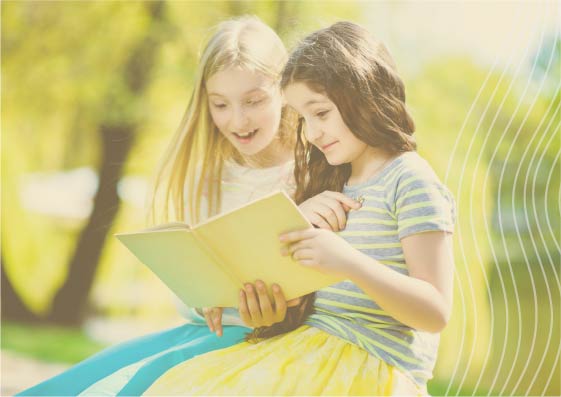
<point>168,349</point>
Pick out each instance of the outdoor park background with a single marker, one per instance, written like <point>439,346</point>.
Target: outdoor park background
<point>92,91</point>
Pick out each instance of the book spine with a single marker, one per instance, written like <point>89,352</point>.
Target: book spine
<point>217,259</point>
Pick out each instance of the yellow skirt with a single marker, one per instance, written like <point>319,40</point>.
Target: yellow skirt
<point>306,361</point>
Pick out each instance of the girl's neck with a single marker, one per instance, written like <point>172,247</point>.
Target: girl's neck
<point>273,155</point>
<point>369,164</point>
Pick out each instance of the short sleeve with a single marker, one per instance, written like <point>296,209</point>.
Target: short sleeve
<point>423,204</point>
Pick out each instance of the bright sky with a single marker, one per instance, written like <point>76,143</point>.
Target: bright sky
<point>502,30</point>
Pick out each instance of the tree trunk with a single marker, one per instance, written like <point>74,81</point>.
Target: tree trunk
<point>283,15</point>
<point>70,303</point>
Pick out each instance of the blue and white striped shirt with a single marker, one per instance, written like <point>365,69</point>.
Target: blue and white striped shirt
<point>405,198</point>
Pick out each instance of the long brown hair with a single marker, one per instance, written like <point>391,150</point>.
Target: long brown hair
<point>357,73</point>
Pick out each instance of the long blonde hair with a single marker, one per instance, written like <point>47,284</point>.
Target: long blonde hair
<point>195,157</point>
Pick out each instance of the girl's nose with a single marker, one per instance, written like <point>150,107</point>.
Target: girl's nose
<point>313,133</point>
<point>239,120</point>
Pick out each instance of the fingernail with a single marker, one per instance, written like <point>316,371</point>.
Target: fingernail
<point>248,288</point>
<point>242,293</point>
<point>276,288</point>
<point>282,237</point>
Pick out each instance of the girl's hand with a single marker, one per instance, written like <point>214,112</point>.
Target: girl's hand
<point>257,310</point>
<point>320,249</point>
<point>328,210</point>
<point>213,317</point>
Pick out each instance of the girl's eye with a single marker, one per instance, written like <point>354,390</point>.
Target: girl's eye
<point>254,102</point>
<point>219,105</point>
<point>322,114</point>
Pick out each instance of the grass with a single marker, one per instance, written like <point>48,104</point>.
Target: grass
<point>48,343</point>
<point>438,387</point>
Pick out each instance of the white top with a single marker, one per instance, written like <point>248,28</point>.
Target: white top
<point>241,185</point>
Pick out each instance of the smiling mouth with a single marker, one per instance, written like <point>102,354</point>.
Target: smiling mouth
<point>245,137</point>
<point>325,147</point>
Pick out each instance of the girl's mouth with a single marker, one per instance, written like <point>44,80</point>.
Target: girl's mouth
<point>328,146</point>
<point>246,136</point>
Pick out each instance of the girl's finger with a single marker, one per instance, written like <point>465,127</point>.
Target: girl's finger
<point>243,309</point>
<point>318,221</point>
<point>303,254</point>
<point>252,303</point>
<point>308,262</point>
<point>264,304</point>
<point>337,208</point>
<point>292,248</point>
<point>344,199</point>
<point>280,303</point>
<point>292,237</point>
<point>326,212</point>
<point>293,302</point>
<point>208,319</point>
<point>217,320</point>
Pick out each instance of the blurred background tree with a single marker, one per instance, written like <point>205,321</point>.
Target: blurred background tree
<point>119,113</point>
<point>92,91</point>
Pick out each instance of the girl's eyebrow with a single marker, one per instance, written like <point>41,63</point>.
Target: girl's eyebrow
<point>314,101</point>
<point>263,89</point>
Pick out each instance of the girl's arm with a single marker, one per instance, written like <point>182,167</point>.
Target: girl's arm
<point>421,300</point>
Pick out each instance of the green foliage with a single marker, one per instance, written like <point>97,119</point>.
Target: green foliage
<point>52,344</point>
<point>498,159</point>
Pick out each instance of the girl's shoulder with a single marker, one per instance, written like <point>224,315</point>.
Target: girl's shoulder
<point>417,194</point>
<point>411,165</point>
<point>404,167</point>
<point>412,171</point>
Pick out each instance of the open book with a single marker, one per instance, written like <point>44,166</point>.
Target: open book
<point>206,265</point>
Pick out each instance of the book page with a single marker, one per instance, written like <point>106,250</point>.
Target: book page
<point>247,240</point>
<point>184,266</point>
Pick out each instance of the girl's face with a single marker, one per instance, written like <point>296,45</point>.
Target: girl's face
<point>246,108</point>
<point>325,127</point>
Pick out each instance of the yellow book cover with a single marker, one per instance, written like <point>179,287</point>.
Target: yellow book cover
<point>206,265</point>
